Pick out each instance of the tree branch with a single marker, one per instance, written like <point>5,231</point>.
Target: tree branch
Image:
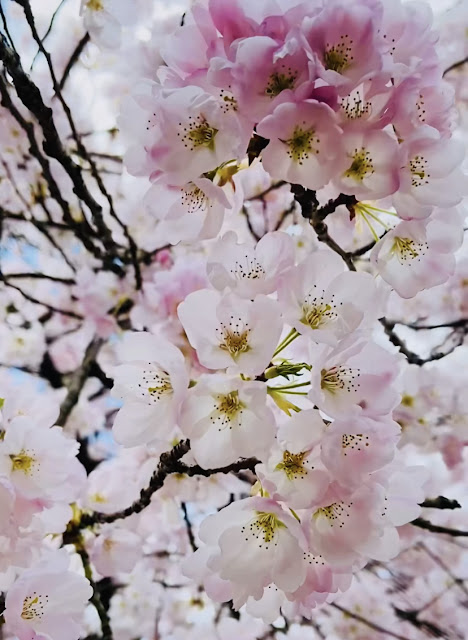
<point>440,503</point>
<point>169,463</point>
<point>78,381</point>
<point>425,524</point>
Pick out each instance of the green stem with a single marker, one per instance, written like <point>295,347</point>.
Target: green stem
<point>292,335</point>
<point>290,386</point>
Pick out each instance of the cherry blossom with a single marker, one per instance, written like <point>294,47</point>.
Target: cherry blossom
<point>324,302</point>
<point>293,471</point>
<point>428,163</point>
<point>354,377</point>
<point>48,600</point>
<point>250,270</point>
<point>226,419</point>
<point>185,214</point>
<point>228,331</point>
<point>419,254</point>
<point>41,463</point>
<point>251,544</point>
<point>232,319</point>
<point>372,164</point>
<point>152,382</point>
<point>304,143</point>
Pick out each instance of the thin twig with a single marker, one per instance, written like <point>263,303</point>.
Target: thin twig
<point>188,524</point>
<point>425,524</point>
<point>73,59</point>
<point>456,65</point>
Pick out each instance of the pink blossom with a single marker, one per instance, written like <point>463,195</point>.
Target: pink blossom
<point>250,270</point>
<point>152,382</point>
<point>293,472</point>
<point>189,213</point>
<point>281,70</point>
<point>48,600</point>
<point>354,447</point>
<point>346,529</point>
<point>227,419</point>
<point>343,41</point>
<point>419,254</point>
<point>414,105</point>
<point>321,300</point>
<point>304,143</point>
<point>191,133</point>
<point>104,20</point>
<point>354,377</point>
<point>41,463</point>
<point>228,331</point>
<point>251,544</point>
<point>115,550</point>
<point>430,174</point>
<point>371,163</point>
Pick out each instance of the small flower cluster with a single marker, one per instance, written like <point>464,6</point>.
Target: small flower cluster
<point>40,477</point>
<point>347,96</point>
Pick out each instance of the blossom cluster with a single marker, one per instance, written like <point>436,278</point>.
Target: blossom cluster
<point>234,419</point>
<point>347,96</point>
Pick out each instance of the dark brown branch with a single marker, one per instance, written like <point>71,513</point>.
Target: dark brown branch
<point>169,463</point>
<point>411,356</point>
<point>425,524</point>
<point>73,59</point>
<point>456,324</point>
<point>188,524</point>
<point>41,276</point>
<point>78,381</point>
<point>31,97</point>
<point>456,65</point>
<point>316,215</point>
<point>440,503</point>
<point>27,296</point>
<point>272,187</point>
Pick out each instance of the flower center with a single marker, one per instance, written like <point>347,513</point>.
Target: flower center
<point>293,465</point>
<point>361,165</point>
<point>155,384</point>
<point>406,249</point>
<point>279,82</point>
<point>230,404</point>
<point>338,57</point>
<point>193,199</point>
<point>95,5</point>
<point>407,401</point>
<point>198,134</point>
<point>234,338</point>
<point>316,314</point>
<point>252,270</point>
<point>300,144</point>
<point>355,107</point>
<point>354,441</point>
<point>264,526</point>
<point>334,513</point>
<point>418,169</point>
<point>33,607</point>
<point>23,462</point>
<point>235,343</point>
<point>338,379</point>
